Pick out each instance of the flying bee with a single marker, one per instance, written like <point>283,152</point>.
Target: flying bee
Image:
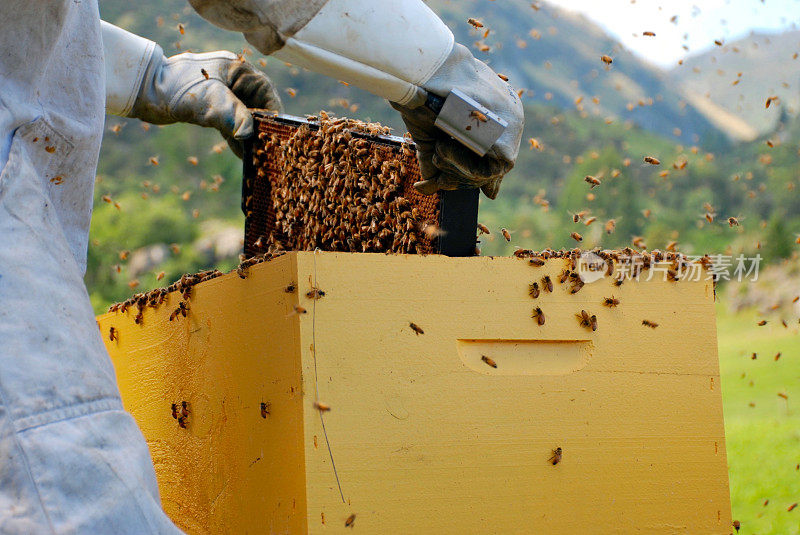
<point>651,160</point>
<point>649,34</point>
<point>761,323</point>
<point>205,75</point>
<point>483,229</point>
<point>416,328</point>
<point>579,215</point>
<point>475,23</point>
<point>533,290</point>
<point>350,520</point>
<point>648,323</point>
<point>608,60</point>
<point>502,77</point>
<point>577,237</point>
<point>489,361</point>
<point>538,315</point>
<point>547,283</point>
<point>556,458</point>
<point>611,302</point>
<point>322,407</point>
<point>770,100</point>
<point>589,221</point>
<point>733,222</point>
<point>710,217</point>
<point>611,226</point>
<point>506,234</point>
<point>593,181</point>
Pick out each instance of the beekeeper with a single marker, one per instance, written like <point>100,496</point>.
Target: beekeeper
<point>71,459</point>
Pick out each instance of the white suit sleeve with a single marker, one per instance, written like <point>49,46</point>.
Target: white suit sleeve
<point>390,48</point>
<point>126,59</point>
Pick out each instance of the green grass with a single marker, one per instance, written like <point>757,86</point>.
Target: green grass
<point>763,441</point>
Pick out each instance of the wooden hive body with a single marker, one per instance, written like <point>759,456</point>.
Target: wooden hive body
<point>425,436</point>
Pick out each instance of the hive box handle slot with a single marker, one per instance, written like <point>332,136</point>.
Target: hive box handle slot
<point>525,357</point>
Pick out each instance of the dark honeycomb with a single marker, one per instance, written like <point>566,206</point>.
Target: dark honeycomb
<point>343,185</point>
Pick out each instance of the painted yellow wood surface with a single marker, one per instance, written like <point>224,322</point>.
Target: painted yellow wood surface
<point>424,435</point>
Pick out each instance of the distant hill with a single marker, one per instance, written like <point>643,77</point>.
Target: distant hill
<point>769,68</point>
<point>556,53</point>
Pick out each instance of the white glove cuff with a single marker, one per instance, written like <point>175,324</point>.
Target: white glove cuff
<point>126,59</point>
<point>389,48</point>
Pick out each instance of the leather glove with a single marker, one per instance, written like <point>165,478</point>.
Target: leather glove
<point>213,89</point>
<point>444,162</point>
<point>398,50</point>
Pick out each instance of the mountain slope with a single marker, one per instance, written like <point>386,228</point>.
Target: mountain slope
<point>768,68</point>
<point>555,54</point>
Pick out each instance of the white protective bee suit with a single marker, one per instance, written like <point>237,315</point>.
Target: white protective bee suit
<point>71,459</point>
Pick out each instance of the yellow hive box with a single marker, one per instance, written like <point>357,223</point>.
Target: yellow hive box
<point>423,435</point>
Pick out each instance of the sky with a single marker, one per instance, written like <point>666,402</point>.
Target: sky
<point>701,21</point>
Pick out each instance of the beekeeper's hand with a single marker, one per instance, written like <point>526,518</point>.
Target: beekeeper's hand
<point>444,162</point>
<point>213,89</point>
<point>398,50</point>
